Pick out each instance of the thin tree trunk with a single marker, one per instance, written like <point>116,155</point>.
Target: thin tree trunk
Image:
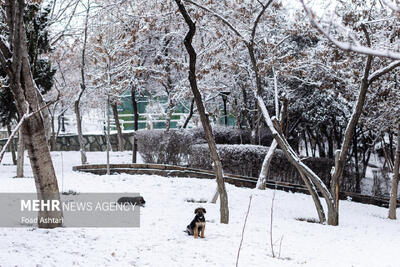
<point>80,134</point>
<point>83,88</point>
<point>108,135</point>
<point>21,152</point>
<point>235,112</point>
<point>189,117</point>
<point>313,191</point>
<point>224,210</point>
<point>350,129</point>
<point>118,126</point>
<point>12,147</point>
<point>262,179</point>
<point>395,180</point>
<point>169,115</point>
<point>355,152</point>
<point>135,124</point>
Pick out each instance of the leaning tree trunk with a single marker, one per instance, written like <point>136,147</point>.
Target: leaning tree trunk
<point>189,117</point>
<point>26,99</point>
<point>224,210</point>
<point>340,159</point>
<point>12,147</point>
<point>21,152</point>
<point>135,125</point>
<point>118,126</point>
<point>395,181</point>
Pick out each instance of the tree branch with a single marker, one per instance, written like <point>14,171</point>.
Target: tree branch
<point>349,46</point>
<point>264,7</point>
<point>220,18</point>
<point>377,74</point>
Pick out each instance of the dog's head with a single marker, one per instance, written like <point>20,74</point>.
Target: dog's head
<point>141,201</point>
<point>200,212</point>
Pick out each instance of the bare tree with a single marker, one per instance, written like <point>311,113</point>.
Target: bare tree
<point>224,209</point>
<point>367,79</point>
<point>82,90</point>
<point>308,176</point>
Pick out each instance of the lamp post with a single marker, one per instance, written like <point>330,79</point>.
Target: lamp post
<point>224,96</point>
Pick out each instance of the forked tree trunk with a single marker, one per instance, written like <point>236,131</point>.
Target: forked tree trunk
<point>12,147</point>
<point>21,152</point>
<point>135,125</point>
<point>224,210</point>
<point>395,181</point>
<point>118,126</point>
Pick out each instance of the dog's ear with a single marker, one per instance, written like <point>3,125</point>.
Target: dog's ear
<point>204,210</point>
<point>196,210</point>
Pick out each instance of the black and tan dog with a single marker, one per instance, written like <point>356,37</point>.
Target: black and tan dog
<point>139,201</point>
<point>198,224</point>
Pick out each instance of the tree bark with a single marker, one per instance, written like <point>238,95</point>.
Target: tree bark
<point>341,159</point>
<point>118,126</point>
<point>169,114</point>
<point>224,210</point>
<point>12,147</point>
<point>83,89</point>
<point>80,134</point>
<point>26,98</point>
<point>135,124</point>
<point>21,152</point>
<point>395,180</point>
<point>189,117</point>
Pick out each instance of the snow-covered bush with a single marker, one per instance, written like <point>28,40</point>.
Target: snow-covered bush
<point>236,159</point>
<point>247,160</point>
<point>158,146</point>
<point>173,147</point>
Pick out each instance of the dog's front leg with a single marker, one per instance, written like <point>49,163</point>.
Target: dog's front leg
<point>196,231</point>
<point>202,231</point>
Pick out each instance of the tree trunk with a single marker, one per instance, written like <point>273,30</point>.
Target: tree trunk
<point>395,181</point>
<point>12,147</point>
<point>83,88</point>
<point>224,210</point>
<point>21,152</point>
<point>135,124</point>
<point>169,115</point>
<point>237,117</point>
<point>262,179</point>
<point>355,152</point>
<point>189,117</point>
<point>350,129</point>
<point>118,126</point>
<point>26,99</point>
<point>80,134</point>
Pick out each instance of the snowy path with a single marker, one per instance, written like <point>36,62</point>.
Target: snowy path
<point>364,238</point>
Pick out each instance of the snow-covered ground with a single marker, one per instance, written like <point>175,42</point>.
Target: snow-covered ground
<point>364,238</point>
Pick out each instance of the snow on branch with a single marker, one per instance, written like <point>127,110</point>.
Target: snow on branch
<point>392,6</point>
<point>346,46</point>
<point>26,116</point>
<point>374,76</point>
<point>226,22</point>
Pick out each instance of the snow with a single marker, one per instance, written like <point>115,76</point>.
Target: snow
<point>364,238</point>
